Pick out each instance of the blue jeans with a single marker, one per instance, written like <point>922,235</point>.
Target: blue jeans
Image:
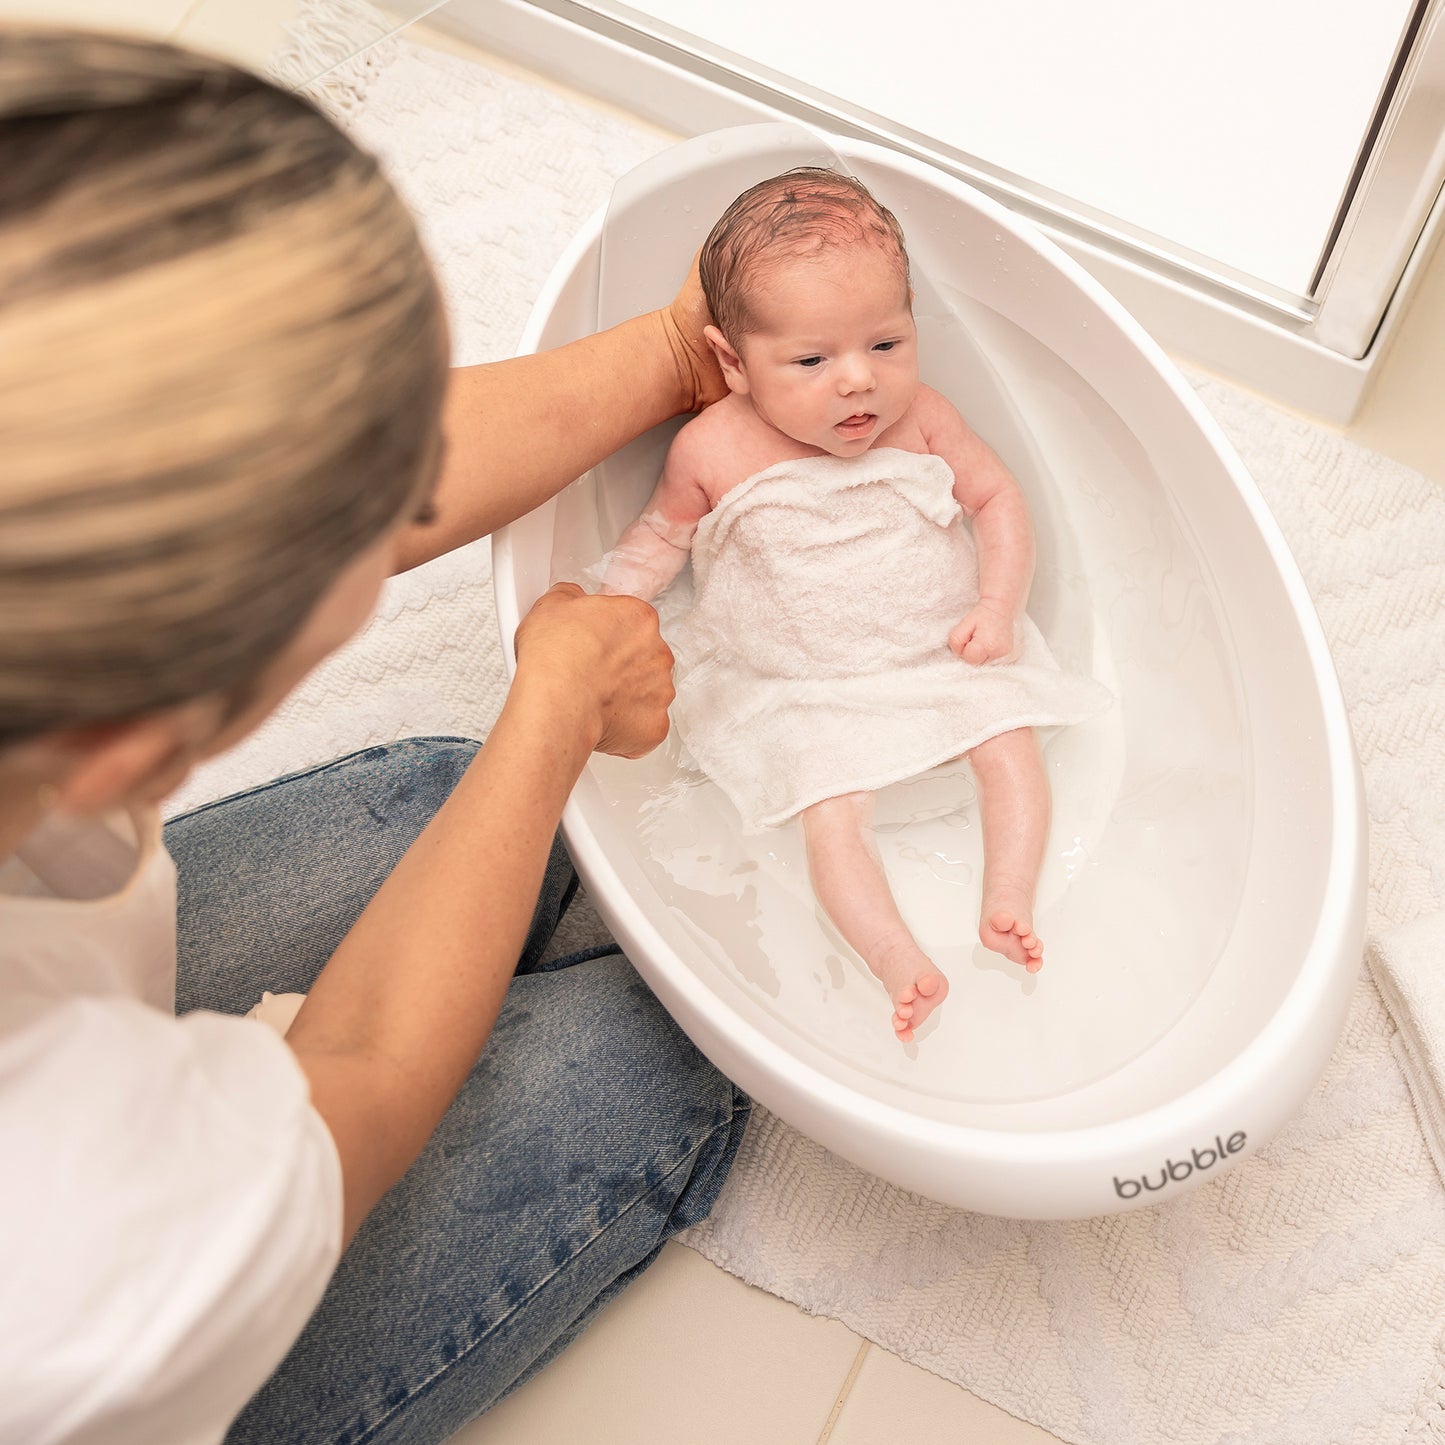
<point>590,1130</point>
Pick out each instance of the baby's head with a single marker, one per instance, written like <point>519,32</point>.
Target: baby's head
<point>802,213</point>
<point>807,279</point>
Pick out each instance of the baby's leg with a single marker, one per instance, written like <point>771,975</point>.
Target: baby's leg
<point>850,883</point>
<point>1013,798</point>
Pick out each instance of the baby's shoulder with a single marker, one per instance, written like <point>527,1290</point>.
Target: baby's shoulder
<point>719,447</point>
<point>716,427</point>
<point>933,413</point>
<point>929,420</point>
<point>700,443</point>
<point>933,424</point>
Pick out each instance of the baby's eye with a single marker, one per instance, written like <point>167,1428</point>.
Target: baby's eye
<point>810,361</point>
<point>885,346</point>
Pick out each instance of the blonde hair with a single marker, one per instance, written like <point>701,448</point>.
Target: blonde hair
<point>794,214</point>
<point>222,361</point>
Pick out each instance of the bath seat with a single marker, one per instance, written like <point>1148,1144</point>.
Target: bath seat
<point>1202,902</point>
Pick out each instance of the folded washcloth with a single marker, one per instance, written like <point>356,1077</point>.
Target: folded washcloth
<point>815,659</point>
<point>1408,966</point>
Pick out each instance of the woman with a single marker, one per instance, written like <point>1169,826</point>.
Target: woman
<point>223,398</point>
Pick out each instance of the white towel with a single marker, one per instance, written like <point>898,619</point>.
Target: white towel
<point>815,659</point>
<point>1408,966</point>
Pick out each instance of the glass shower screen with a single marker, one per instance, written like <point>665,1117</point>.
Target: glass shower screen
<point>1224,143</point>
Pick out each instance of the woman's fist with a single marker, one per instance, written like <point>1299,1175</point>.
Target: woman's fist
<point>605,656</point>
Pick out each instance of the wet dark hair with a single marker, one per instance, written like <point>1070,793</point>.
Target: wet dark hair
<point>802,210</point>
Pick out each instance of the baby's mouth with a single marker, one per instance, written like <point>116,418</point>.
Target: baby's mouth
<point>857,423</point>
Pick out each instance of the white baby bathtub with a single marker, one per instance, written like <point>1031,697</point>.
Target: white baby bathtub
<point>1202,903</point>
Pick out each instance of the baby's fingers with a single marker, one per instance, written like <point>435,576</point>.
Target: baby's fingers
<point>971,641</point>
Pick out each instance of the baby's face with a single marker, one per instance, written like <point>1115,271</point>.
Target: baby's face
<point>833,361</point>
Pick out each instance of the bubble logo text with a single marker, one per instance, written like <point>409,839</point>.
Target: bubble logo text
<point>1176,1171</point>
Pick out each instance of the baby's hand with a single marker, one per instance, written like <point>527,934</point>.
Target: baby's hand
<point>986,634</point>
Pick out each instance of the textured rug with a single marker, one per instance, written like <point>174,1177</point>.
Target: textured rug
<point>1298,1299</point>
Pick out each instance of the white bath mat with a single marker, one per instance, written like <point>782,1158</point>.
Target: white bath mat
<point>1299,1299</point>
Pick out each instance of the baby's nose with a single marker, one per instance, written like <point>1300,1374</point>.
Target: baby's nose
<point>856,374</point>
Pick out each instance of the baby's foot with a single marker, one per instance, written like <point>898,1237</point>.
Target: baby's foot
<point>913,1003</point>
<point>1007,929</point>
<point>913,983</point>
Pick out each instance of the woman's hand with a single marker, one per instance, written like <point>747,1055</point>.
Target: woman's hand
<point>512,427</point>
<point>683,322</point>
<point>605,656</point>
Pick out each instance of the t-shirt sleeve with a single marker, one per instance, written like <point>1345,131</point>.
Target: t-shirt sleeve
<point>169,1216</point>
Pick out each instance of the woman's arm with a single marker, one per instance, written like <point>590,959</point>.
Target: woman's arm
<point>397,1018</point>
<point>519,431</point>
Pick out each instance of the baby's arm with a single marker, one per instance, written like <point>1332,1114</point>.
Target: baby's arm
<point>650,553</point>
<point>1002,531</point>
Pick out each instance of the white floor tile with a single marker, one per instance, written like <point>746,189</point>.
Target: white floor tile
<point>248,32</point>
<point>687,1355</point>
<point>143,17</point>
<point>892,1400</point>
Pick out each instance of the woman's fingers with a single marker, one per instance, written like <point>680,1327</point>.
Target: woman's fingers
<point>683,322</point>
<point>607,654</point>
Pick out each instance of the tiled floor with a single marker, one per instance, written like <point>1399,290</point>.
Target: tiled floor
<point>250,32</point>
<point>690,1355</point>
<point>244,30</point>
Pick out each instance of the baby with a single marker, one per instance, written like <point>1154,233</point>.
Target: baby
<point>847,631</point>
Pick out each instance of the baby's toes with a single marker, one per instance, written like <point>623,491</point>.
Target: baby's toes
<point>1001,921</point>
<point>1023,930</point>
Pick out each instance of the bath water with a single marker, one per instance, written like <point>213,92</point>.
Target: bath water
<point>1151,802</point>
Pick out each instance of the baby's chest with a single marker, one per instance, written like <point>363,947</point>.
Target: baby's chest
<point>737,466</point>
<point>741,462</point>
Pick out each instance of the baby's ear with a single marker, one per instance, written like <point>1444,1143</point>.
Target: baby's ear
<point>728,360</point>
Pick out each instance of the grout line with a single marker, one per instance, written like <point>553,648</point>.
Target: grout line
<point>843,1393</point>
<point>185,19</point>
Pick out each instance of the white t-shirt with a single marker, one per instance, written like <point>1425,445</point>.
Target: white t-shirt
<point>170,1202</point>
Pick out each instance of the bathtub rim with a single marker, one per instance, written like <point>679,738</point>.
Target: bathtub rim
<point>1294,1040</point>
